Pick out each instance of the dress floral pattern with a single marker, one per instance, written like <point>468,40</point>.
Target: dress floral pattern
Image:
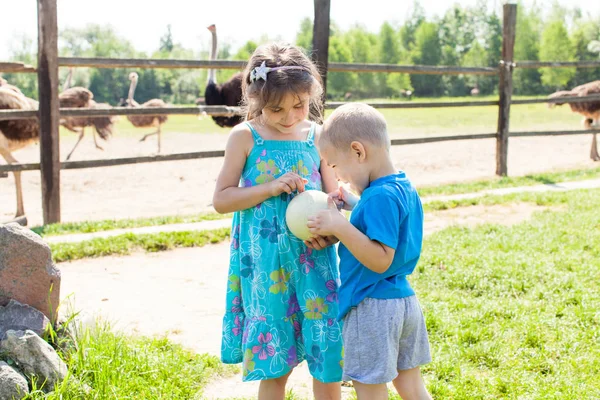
<point>281,302</point>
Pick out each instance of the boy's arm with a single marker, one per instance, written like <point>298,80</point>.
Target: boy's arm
<point>370,253</point>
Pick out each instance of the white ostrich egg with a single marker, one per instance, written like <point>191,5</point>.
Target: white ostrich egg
<point>304,205</point>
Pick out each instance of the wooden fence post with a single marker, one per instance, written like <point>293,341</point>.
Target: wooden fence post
<point>320,54</point>
<point>505,87</point>
<point>48,109</point>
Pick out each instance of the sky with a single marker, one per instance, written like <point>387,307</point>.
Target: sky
<point>237,20</point>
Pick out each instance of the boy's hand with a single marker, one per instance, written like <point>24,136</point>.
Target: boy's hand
<point>287,183</point>
<point>320,242</point>
<point>344,199</point>
<point>327,222</point>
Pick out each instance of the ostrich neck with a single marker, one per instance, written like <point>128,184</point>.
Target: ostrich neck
<point>67,83</point>
<point>212,73</point>
<point>131,91</point>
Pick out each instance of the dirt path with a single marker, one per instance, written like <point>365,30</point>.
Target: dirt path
<point>186,187</point>
<point>180,293</point>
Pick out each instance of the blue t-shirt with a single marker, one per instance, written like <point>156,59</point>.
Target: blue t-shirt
<point>390,212</point>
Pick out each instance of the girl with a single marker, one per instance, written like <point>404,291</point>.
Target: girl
<point>281,303</point>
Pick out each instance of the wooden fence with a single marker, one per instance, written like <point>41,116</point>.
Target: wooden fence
<point>49,111</point>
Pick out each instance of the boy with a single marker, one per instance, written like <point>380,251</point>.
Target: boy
<point>385,338</point>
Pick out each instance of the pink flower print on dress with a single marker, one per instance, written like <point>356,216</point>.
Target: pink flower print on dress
<point>236,308</point>
<point>306,260</point>
<point>315,176</point>
<point>235,240</point>
<point>264,349</point>
<point>237,329</point>
<point>332,287</point>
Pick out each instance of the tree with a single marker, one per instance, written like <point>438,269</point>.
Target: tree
<point>556,46</point>
<point>24,51</point>
<point>389,53</point>
<point>304,37</point>
<point>166,41</point>
<point>338,83</point>
<point>363,46</point>
<point>585,32</point>
<point>427,51</point>
<point>407,32</point>
<point>527,81</point>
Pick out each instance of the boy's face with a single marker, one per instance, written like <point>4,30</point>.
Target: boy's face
<point>348,166</point>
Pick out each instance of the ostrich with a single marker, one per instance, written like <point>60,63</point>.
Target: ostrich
<point>80,97</point>
<point>475,91</point>
<point>589,109</point>
<point>144,121</point>
<point>16,134</point>
<point>228,94</point>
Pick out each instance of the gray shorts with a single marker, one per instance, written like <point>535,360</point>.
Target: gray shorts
<point>382,337</point>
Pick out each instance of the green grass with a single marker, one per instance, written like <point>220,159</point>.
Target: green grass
<point>125,244</point>
<point>457,188</point>
<point>107,365</point>
<point>105,225</point>
<point>504,182</point>
<point>512,312</point>
<point>540,199</point>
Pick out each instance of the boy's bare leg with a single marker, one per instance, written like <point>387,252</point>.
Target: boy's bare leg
<point>410,385</point>
<point>370,392</point>
<point>273,389</point>
<point>327,391</point>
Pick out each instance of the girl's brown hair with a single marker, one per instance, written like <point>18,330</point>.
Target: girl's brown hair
<point>259,94</point>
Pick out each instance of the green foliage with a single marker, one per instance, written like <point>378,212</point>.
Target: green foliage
<point>23,49</point>
<point>304,37</point>
<point>512,311</point>
<point>556,46</point>
<point>426,51</point>
<point>125,244</point>
<point>462,36</point>
<point>105,364</point>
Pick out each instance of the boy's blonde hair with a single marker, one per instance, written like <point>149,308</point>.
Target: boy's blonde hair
<point>258,94</point>
<point>355,122</point>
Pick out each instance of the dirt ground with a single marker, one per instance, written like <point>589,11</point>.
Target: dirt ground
<point>185,301</point>
<point>186,187</point>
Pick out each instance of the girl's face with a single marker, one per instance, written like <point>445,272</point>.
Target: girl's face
<point>285,116</point>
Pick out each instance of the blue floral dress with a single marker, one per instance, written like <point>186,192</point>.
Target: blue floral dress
<point>281,304</point>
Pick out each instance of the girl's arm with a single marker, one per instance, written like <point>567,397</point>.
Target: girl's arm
<point>228,196</point>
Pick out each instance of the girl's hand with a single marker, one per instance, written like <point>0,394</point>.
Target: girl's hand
<point>320,242</point>
<point>287,183</point>
<point>327,222</point>
<point>344,199</point>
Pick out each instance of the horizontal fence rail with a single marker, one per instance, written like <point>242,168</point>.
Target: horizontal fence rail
<point>217,111</point>
<point>16,67</point>
<point>95,62</point>
<point>557,64</point>
<point>415,104</point>
<point>554,133</point>
<point>220,153</point>
<point>226,111</point>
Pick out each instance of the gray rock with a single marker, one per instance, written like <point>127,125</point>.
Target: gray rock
<point>34,357</point>
<point>13,385</point>
<point>20,317</point>
<point>27,273</point>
